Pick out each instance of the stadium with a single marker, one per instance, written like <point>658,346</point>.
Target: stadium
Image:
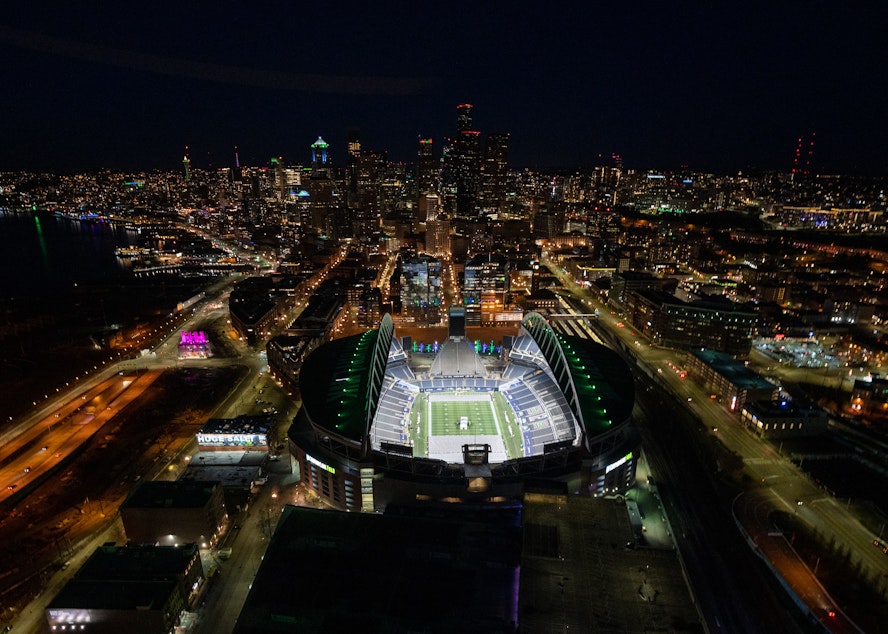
<point>381,424</point>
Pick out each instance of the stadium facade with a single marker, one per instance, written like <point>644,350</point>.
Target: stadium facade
<point>380,425</point>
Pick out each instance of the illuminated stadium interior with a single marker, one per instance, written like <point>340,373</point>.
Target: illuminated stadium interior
<point>549,391</point>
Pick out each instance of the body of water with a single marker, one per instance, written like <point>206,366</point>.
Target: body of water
<point>43,254</point>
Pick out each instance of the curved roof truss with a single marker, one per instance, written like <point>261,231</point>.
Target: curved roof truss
<point>547,341</point>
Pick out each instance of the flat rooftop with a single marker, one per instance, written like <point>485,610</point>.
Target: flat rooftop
<point>113,595</point>
<point>241,425</point>
<point>735,371</point>
<point>164,494</point>
<point>228,458</point>
<point>226,475</point>
<point>329,571</point>
<point>577,574</point>
<point>137,563</point>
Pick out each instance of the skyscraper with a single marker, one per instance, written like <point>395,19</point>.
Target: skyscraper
<point>328,210</point>
<point>461,167</point>
<point>319,156</point>
<point>495,172</point>
<point>426,168</point>
<point>464,117</point>
<point>369,172</point>
<point>353,157</point>
<point>354,146</point>
<point>468,172</point>
<point>464,169</point>
<point>186,165</point>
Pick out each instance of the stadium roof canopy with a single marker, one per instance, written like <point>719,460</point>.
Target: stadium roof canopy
<point>341,382</point>
<point>594,379</point>
<point>342,385</point>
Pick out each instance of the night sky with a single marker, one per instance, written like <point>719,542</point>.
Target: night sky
<point>721,86</point>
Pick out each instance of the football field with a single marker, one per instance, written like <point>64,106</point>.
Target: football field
<point>436,415</point>
<point>446,416</point>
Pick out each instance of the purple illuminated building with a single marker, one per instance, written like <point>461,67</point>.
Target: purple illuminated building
<point>194,345</point>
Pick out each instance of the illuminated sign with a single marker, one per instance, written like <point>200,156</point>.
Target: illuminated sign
<point>618,463</point>
<point>320,464</point>
<point>367,489</point>
<point>232,440</point>
<point>196,338</point>
<point>69,615</point>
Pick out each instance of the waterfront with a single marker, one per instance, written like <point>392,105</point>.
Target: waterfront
<point>44,255</point>
<point>68,304</point>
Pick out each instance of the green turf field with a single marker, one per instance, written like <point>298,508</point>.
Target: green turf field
<point>483,420</point>
<point>511,432</point>
<point>446,415</point>
<point>419,427</point>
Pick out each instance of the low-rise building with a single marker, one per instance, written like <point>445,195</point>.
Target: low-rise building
<point>236,471</point>
<point>728,380</point>
<point>783,419</point>
<point>542,301</point>
<point>870,397</point>
<point>715,324</point>
<point>172,513</point>
<point>134,589</point>
<point>235,434</point>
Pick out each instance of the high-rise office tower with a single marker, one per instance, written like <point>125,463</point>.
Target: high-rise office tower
<point>353,157</point>
<point>461,167</point>
<point>354,146</point>
<point>464,117</point>
<point>426,168</point>
<point>367,209</point>
<point>421,288</point>
<point>319,157</point>
<point>328,211</point>
<point>467,162</point>
<point>468,172</point>
<point>428,208</point>
<point>447,177</point>
<point>186,165</point>
<point>495,172</point>
<point>438,237</point>
<point>280,181</point>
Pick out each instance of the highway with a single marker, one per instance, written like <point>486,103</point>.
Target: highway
<point>65,422</point>
<point>735,592</point>
<point>29,457</point>
<point>753,510</point>
<point>697,500</point>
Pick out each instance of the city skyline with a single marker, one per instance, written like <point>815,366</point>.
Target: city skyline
<point>709,87</point>
<point>467,335</point>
